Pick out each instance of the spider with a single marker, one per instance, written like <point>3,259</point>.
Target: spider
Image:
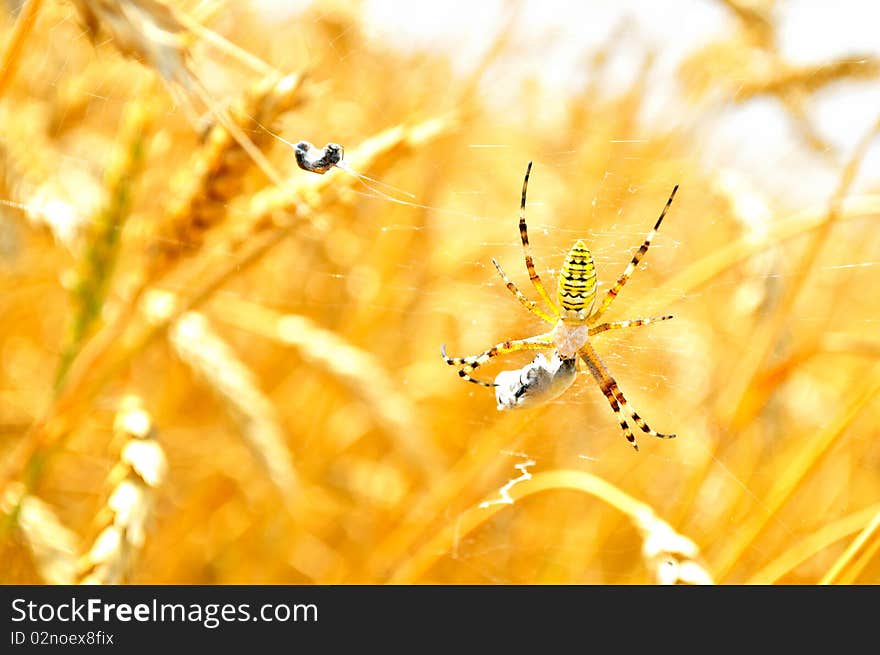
<point>574,321</point>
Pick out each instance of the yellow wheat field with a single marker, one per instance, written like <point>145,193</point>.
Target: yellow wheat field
<point>218,368</point>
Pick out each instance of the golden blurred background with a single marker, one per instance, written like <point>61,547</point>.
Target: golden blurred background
<point>218,368</point>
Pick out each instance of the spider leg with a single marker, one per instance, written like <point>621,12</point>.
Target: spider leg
<point>628,271</point>
<point>615,396</point>
<point>469,364</point>
<point>609,394</point>
<point>527,249</point>
<point>644,427</point>
<point>530,305</point>
<point>636,322</point>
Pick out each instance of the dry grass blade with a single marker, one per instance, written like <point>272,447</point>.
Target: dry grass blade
<point>796,471</point>
<point>125,517</point>
<point>863,548</point>
<point>720,260</point>
<point>207,353</point>
<point>743,379</point>
<point>670,556</point>
<point>363,373</point>
<point>814,543</point>
<point>10,58</point>
<point>255,63</point>
<point>809,79</point>
<point>755,20</point>
<point>774,376</point>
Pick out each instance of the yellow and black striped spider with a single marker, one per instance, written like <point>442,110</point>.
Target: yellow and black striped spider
<point>574,321</point>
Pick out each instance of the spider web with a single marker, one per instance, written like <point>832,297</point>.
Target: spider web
<point>736,141</point>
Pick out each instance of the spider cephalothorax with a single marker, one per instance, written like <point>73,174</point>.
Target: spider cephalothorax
<point>574,319</point>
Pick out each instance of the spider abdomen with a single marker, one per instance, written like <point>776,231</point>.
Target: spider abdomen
<point>577,281</point>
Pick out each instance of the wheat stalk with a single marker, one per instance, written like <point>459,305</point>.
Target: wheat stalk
<point>363,373</point>
<point>53,545</point>
<point>197,344</point>
<point>40,183</point>
<point>671,557</point>
<point>217,171</point>
<point>153,33</point>
<point>273,214</point>
<point>124,519</point>
<point>103,233</point>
